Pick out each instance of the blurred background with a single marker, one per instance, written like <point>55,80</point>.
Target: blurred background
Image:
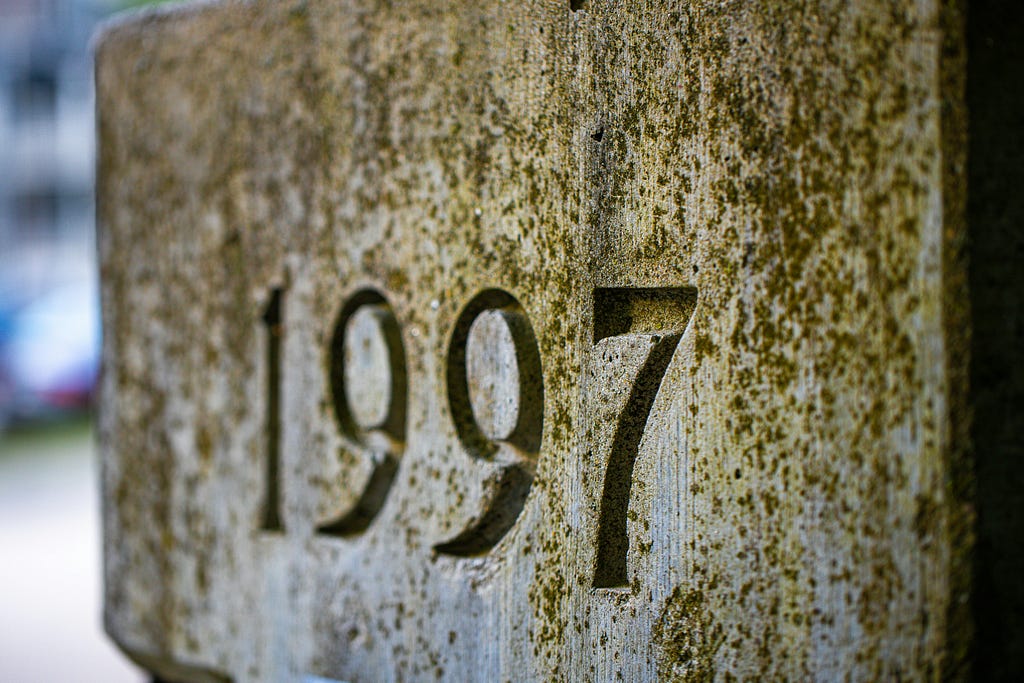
<point>50,575</point>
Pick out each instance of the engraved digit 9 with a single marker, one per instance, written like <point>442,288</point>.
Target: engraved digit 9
<point>496,396</point>
<point>368,387</point>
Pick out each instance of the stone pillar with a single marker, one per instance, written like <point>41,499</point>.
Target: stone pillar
<point>549,341</point>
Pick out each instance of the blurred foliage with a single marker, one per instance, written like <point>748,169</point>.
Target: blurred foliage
<point>136,4</point>
<point>49,435</point>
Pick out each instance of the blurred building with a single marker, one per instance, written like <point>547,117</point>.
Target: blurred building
<point>47,147</point>
<point>49,327</point>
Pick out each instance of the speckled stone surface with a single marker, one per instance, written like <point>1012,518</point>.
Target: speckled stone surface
<point>730,235</point>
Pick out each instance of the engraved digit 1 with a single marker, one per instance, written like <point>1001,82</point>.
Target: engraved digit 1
<point>636,332</point>
<point>272,321</point>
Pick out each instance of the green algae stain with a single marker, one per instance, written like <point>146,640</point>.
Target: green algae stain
<point>686,639</point>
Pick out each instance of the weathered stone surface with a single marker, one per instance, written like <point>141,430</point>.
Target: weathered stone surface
<point>732,231</point>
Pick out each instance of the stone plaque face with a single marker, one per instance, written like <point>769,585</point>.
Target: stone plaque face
<point>545,340</point>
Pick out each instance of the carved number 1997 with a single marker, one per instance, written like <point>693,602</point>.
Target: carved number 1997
<point>636,331</point>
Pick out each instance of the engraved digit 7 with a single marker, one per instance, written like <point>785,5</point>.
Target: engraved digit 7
<point>636,331</point>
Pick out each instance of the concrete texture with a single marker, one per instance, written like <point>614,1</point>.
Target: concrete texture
<point>735,231</point>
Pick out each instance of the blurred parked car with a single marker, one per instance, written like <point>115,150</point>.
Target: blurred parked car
<point>49,353</point>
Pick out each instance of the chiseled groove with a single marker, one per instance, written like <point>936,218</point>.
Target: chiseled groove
<point>612,536</point>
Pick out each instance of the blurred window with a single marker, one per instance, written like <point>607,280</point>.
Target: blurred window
<point>34,96</point>
<point>35,213</point>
